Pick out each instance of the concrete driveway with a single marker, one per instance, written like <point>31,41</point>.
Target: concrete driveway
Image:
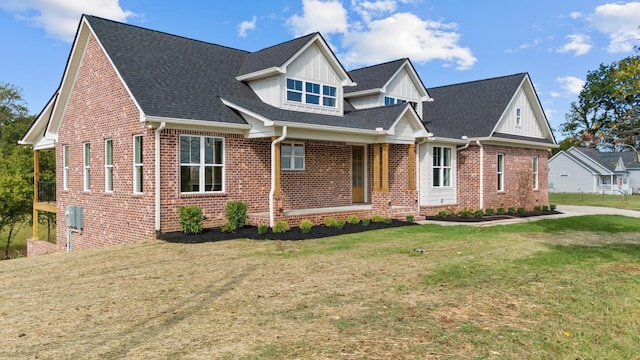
<point>566,210</point>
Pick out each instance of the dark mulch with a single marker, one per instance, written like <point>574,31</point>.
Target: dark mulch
<point>472,218</point>
<point>251,232</point>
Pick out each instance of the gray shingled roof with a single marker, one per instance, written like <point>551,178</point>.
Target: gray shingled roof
<point>469,109</point>
<point>273,56</point>
<point>373,77</point>
<point>609,159</point>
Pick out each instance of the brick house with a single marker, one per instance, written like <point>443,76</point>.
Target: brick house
<point>145,122</point>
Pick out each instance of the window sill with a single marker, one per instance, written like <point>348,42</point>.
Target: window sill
<point>200,195</point>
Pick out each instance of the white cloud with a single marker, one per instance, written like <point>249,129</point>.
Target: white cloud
<point>372,9</point>
<point>246,26</point>
<point>554,94</point>
<point>534,43</point>
<point>579,44</point>
<point>59,18</point>
<point>406,35</point>
<point>575,15</point>
<point>570,84</point>
<point>327,17</point>
<point>620,22</point>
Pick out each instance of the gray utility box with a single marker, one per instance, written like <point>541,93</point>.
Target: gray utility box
<point>75,217</point>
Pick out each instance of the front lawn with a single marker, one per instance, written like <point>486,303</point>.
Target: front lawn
<point>630,202</point>
<point>549,289</point>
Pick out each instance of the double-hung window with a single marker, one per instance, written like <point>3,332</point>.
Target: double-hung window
<point>86,159</point>
<point>137,164</point>
<point>441,166</point>
<point>201,164</point>
<point>108,165</point>
<point>535,172</point>
<point>500,167</point>
<point>311,93</point>
<point>65,170</point>
<point>292,156</point>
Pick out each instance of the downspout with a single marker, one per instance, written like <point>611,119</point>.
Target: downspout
<point>481,173</point>
<point>273,174</point>
<point>157,160</point>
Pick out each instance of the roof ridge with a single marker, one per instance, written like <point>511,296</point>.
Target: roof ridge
<point>480,80</point>
<point>286,42</point>
<point>375,65</point>
<point>164,33</point>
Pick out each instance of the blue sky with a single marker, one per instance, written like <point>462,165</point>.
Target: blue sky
<point>556,42</point>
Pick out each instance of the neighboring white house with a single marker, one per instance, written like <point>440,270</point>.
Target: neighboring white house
<point>591,171</point>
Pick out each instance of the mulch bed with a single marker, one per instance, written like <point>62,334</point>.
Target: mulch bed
<point>456,218</point>
<point>251,232</point>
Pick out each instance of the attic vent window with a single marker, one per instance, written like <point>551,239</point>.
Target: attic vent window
<point>388,100</point>
<point>311,93</point>
<point>518,117</point>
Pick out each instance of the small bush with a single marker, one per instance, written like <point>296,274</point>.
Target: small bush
<point>190,219</point>
<point>227,228</point>
<point>365,222</point>
<point>552,207</point>
<point>236,214</point>
<point>489,211</point>
<point>262,228</point>
<point>511,211</point>
<point>537,208</point>
<point>521,210</point>
<point>340,224</point>
<point>306,225</point>
<point>387,220</point>
<point>442,214</point>
<point>464,213</point>
<point>478,213</point>
<point>545,207</point>
<point>330,222</point>
<point>377,218</point>
<point>409,218</point>
<point>280,227</point>
<point>353,219</point>
<point>501,211</point>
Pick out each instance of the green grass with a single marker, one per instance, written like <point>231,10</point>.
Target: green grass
<point>550,289</point>
<point>631,202</point>
<point>21,233</point>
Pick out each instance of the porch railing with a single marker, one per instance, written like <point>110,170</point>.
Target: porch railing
<point>46,191</point>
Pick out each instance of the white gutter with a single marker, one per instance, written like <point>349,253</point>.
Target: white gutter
<point>273,174</point>
<point>465,145</point>
<point>158,192</point>
<point>481,173</point>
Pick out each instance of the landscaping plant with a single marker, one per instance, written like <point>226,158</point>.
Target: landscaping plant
<point>236,212</point>
<point>306,225</point>
<point>280,227</point>
<point>190,219</point>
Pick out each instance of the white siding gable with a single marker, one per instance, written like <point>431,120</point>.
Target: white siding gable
<point>402,87</point>
<point>528,123</point>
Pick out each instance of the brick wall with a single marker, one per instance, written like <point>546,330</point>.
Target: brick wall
<point>100,108</point>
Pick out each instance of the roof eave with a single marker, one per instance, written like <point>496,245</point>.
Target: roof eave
<point>275,70</point>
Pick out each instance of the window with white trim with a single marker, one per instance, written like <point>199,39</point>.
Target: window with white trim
<point>291,156</point>
<point>441,166</point>
<point>311,93</point>
<point>65,169</point>
<point>138,164</point>
<point>518,117</point>
<point>388,100</point>
<point>535,172</point>
<point>500,172</point>
<point>201,164</point>
<point>86,166</point>
<point>108,165</point>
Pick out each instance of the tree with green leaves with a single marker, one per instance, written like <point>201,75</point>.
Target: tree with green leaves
<point>608,108</point>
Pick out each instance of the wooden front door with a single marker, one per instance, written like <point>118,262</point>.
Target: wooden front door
<point>357,174</point>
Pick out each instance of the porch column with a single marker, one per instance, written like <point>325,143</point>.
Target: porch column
<point>36,179</point>
<point>277,169</point>
<point>412,167</point>
<point>385,167</point>
<point>376,167</point>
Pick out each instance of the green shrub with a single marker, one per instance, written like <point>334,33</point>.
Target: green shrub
<point>478,213</point>
<point>489,211</point>
<point>537,208</point>
<point>464,213</point>
<point>262,228</point>
<point>190,219</point>
<point>552,207</point>
<point>545,207</point>
<point>330,222</point>
<point>340,224</point>
<point>387,220</point>
<point>353,219</point>
<point>409,218</point>
<point>365,222</point>
<point>511,210</point>
<point>227,227</point>
<point>280,227</point>
<point>442,214</point>
<point>501,211</point>
<point>236,214</point>
<point>521,210</point>
<point>377,218</point>
<point>306,225</point>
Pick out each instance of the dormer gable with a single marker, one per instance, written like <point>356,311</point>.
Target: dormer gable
<point>394,82</point>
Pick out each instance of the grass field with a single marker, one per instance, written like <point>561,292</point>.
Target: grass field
<point>22,232</point>
<point>550,289</point>
<point>630,202</point>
